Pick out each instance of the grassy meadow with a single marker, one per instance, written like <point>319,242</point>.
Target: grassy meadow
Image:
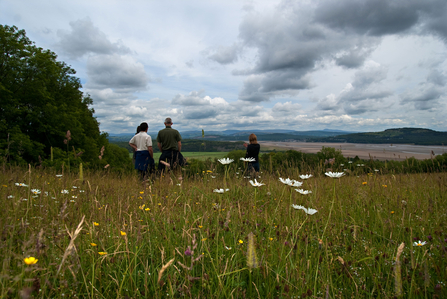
<point>111,236</point>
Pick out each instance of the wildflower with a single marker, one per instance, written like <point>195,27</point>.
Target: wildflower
<point>123,233</point>
<point>209,171</point>
<point>304,192</point>
<point>241,242</point>
<point>102,253</point>
<point>286,181</point>
<point>95,223</point>
<point>342,165</point>
<point>21,185</point>
<point>5,186</point>
<point>225,161</point>
<point>147,209</point>
<point>93,244</point>
<point>305,176</point>
<point>255,183</point>
<point>188,251</point>
<point>308,211</point>
<point>58,175</point>
<point>141,192</point>
<point>204,239</point>
<point>334,174</point>
<point>30,260</point>
<point>419,243</point>
<point>376,170</point>
<point>271,239</point>
<point>64,191</point>
<point>10,196</point>
<point>350,162</point>
<point>384,186</point>
<point>227,248</point>
<point>248,159</point>
<point>364,183</point>
<point>200,226</point>
<point>35,191</point>
<point>392,212</point>
<point>220,190</point>
<point>142,206</point>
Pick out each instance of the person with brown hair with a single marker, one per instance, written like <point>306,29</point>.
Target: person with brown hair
<point>144,155</point>
<point>253,149</point>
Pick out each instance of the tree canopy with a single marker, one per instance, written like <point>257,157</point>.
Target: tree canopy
<point>40,100</point>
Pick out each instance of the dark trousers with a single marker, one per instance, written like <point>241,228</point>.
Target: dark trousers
<point>172,157</point>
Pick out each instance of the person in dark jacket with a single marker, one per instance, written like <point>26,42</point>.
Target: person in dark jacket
<point>253,149</point>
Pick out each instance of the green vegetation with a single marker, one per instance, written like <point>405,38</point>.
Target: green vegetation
<point>396,136</point>
<point>44,117</point>
<point>110,236</point>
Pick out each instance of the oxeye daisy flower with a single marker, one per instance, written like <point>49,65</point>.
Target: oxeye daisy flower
<point>35,191</point>
<point>255,183</point>
<point>225,160</point>
<point>30,260</point>
<point>221,190</point>
<point>334,174</point>
<point>64,191</point>
<point>308,211</point>
<point>248,159</point>
<point>305,176</point>
<point>304,192</point>
<point>419,243</point>
<point>21,185</point>
<point>58,175</point>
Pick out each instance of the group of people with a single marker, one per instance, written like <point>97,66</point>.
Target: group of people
<point>169,142</point>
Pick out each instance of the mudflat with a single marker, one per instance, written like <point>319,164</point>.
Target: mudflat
<point>364,151</point>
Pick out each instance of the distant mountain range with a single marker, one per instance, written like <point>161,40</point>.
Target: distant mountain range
<point>418,136</point>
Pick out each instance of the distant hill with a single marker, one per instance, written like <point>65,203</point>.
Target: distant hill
<point>417,136</point>
<point>242,135</point>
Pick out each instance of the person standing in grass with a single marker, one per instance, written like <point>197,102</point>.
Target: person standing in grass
<point>144,155</point>
<point>169,143</point>
<point>253,149</point>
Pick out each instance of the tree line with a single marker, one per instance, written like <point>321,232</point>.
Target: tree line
<point>40,102</point>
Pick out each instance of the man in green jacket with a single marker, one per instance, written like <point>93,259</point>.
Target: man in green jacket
<point>169,143</point>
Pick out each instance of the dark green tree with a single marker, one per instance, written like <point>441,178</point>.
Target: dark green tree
<point>40,100</point>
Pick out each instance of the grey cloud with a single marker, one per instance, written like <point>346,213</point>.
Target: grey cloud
<point>294,39</point>
<point>437,78</point>
<point>195,98</point>
<point>426,97</point>
<point>372,17</point>
<point>199,113</point>
<point>369,75</point>
<point>226,55</point>
<point>117,72</point>
<point>260,87</point>
<point>85,38</point>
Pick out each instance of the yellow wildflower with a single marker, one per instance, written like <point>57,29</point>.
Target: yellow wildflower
<point>141,192</point>
<point>204,239</point>
<point>147,209</point>
<point>95,223</point>
<point>123,233</point>
<point>93,244</point>
<point>30,260</point>
<point>102,253</point>
<point>364,183</point>
<point>200,226</point>
<point>240,241</point>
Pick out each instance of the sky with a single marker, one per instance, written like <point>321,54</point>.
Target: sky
<point>354,65</point>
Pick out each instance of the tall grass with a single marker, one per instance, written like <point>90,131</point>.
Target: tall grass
<point>110,236</point>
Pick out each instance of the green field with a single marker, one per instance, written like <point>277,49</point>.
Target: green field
<point>110,236</point>
<point>196,155</point>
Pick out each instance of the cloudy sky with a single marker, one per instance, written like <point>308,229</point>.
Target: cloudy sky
<point>359,65</point>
